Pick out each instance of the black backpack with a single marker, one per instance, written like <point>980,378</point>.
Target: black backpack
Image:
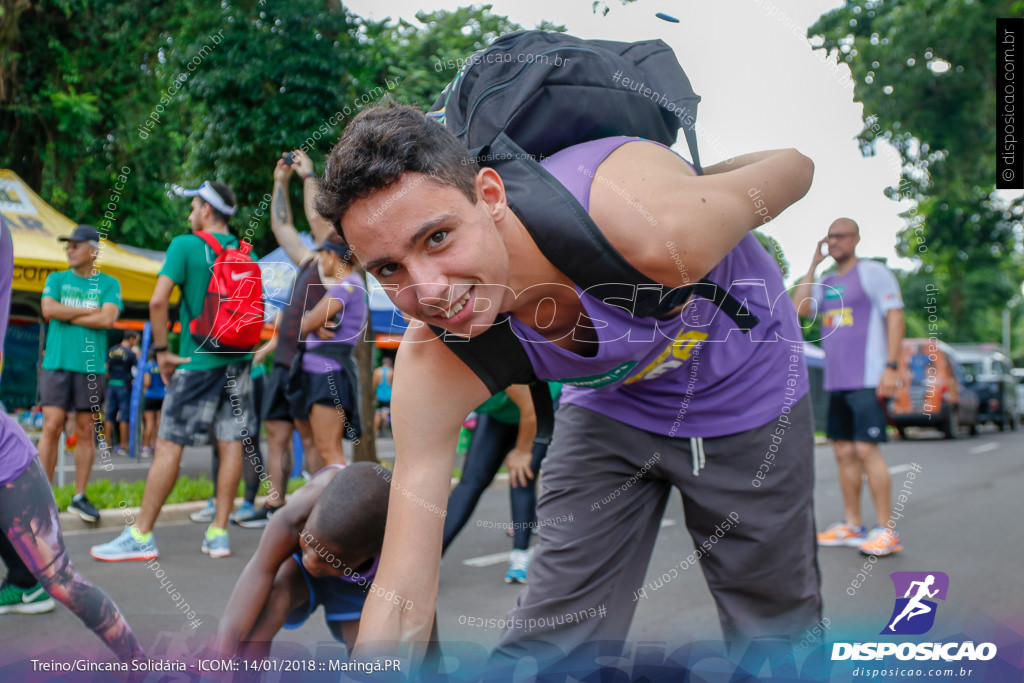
<point>533,93</point>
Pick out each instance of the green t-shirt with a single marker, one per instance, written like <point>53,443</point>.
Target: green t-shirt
<point>189,264</point>
<point>504,410</point>
<point>72,347</point>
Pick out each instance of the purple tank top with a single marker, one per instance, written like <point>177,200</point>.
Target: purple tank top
<point>16,449</point>
<point>351,291</point>
<point>694,374</point>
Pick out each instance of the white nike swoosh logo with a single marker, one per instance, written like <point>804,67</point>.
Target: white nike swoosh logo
<point>29,597</point>
<point>238,276</point>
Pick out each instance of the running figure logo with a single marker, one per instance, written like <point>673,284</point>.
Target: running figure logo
<point>914,613</point>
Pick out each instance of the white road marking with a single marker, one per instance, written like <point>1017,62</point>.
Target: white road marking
<point>985,447</point>
<point>498,558</point>
<point>901,468</point>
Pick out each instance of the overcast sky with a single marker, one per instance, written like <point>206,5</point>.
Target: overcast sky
<point>762,87</point>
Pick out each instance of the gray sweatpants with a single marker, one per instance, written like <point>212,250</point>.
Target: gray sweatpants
<point>612,481</point>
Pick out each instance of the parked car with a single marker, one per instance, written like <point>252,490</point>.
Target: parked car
<point>988,374</point>
<point>933,390</point>
<point>1018,374</point>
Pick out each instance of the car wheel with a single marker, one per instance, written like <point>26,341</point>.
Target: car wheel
<point>952,427</point>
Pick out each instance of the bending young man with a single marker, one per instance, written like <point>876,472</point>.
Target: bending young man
<point>657,403</point>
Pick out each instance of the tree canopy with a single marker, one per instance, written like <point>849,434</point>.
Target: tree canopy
<point>177,93</point>
<point>925,73</point>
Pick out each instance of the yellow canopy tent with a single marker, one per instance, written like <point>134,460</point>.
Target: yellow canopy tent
<point>35,226</point>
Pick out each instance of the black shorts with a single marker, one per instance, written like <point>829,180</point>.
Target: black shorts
<point>68,390</point>
<point>383,404</point>
<point>276,405</point>
<point>333,389</point>
<point>152,404</point>
<point>856,415</point>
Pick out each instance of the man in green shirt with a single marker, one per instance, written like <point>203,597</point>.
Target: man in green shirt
<point>80,304</point>
<point>205,389</point>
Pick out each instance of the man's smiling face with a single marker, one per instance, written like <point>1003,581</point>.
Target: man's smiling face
<point>440,256</point>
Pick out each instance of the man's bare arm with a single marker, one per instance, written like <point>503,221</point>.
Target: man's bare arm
<point>426,433</point>
<point>279,541</point>
<point>159,315</point>
<point>101,318</point>
<point>55,310</point>
<point>320,228</point>
<point>281,217</point>
<point>645,189</point>
<point>895,329</point>
<point>803,295</point>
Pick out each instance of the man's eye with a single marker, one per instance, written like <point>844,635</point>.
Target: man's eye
<point>438,237</point>
<point>387,270</point>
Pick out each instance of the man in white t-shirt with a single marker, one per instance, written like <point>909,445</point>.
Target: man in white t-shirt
<point>862,330</point>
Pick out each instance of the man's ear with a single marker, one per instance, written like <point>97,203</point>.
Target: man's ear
<point>491,191</point>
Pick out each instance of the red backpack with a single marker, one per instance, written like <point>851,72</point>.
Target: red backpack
<point>232,315</point>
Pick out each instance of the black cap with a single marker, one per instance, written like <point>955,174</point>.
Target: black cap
<point>334,243</point>
<point>82,233</point>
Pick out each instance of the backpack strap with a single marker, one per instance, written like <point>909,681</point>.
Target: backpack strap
<point>210,240</point>
<point>578,248</point>
<point>498,358</point>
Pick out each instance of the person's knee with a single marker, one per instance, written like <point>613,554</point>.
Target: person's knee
<point>867,452</point>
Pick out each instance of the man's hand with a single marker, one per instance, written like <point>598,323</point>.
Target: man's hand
<point>282,172</point>
<point>518,463</point>
<point>818,256</point>
<point>303,165</point>
<point>325,333</point>
<point>889,384</point>
<point>168,363</point>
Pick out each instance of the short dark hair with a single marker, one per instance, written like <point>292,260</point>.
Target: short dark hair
<point>380,145</point>
<point>229,198</point>
<point>352,509</point>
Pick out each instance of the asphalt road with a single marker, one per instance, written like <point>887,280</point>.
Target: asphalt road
<point>962,518</point>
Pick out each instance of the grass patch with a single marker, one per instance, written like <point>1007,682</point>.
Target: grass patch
<point>106,494</point>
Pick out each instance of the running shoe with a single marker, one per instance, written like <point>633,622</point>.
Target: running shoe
<point>147,452</point>
<point>215,543</point>
<point>881,542</point>
<point>34,600</point>
<point>519,561</point>
<point>122,452</point>
<point>244,512</point>
<point>206,515</point>
<point>842,533</point>
<point>84,508</point>
<point>259,519</point>
<point>130,545</point>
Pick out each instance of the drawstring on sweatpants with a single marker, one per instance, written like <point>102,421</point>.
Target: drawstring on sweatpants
<point>697,453</point>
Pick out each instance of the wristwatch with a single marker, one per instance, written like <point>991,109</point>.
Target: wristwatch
<point>892,365</point>
<point>158,349</point>
<point>310,175</point>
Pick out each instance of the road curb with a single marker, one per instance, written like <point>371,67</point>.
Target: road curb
<point>116,518</point>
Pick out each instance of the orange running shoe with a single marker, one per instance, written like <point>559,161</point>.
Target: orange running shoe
<point>882,542</point>
<point>842,533</point>
<point>71,441</point>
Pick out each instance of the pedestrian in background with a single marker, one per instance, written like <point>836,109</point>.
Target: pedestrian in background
<point>80,304</point>
<point>862,332</point>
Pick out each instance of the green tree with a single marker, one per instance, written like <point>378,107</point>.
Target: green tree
<point>925,73</point>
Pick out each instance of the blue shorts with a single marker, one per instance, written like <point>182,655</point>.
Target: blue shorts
<point>342,600</point>
<point>119,402</point>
